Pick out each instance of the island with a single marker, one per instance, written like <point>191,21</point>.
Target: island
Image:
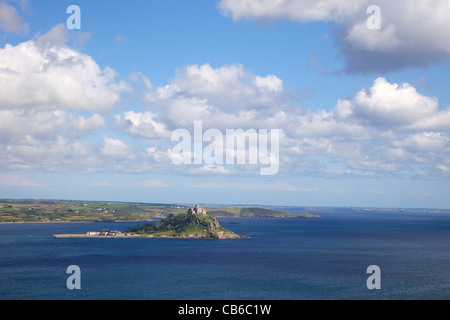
<point>195,224</point>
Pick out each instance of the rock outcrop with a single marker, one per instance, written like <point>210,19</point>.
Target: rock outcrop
<point>195,224</point>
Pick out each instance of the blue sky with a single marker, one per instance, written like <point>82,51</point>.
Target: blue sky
<point>88,114</point>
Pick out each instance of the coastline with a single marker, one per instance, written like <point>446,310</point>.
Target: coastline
<point>71,221</point>
<point>136,236</point>
<point>296,216</point>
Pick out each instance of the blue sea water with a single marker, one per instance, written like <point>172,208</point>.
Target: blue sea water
<point>284,259</point>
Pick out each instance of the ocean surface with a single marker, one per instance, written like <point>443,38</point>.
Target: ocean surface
<point>285,259</point>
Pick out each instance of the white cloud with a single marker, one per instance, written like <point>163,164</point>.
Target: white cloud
<point>57,114</point>
<point>366,135</point>
<point>393,105</point>
<point>115,148</point>
<point>425,142</point>
<point>411,35</point>
<point>18,123</point>
<point>60,154</point>
<point>388,129</point>
<point>303,10</point>
<point>53,100</point>
<point>270,83</point>
<point>142,124</point>
<point>220,97</point>
<point>95,122</point>
<point>385,40</point>
<point>47,74</point>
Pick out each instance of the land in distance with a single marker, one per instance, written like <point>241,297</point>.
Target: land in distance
<point>53,211</point>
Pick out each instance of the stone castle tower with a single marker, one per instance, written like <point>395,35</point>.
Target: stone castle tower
<point>197,211</point>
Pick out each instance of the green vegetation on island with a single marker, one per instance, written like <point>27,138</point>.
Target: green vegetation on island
<point>185,226</point>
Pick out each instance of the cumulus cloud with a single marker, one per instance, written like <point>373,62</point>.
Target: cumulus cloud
<point>424,141</point>
<point>387,129</point>
<point>394,105</point>
<point>46,74</point>
<point>115,148</point>
<point>19,123</point>
<point>223,97</point>
<point>411,34</point>
<point>60,154</point>
<point>142,124</point>
<point>53,97</point>
<point>59,112</point>
<point>81,123</point>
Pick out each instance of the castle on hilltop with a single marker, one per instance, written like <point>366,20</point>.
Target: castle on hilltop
<point>197,211</point>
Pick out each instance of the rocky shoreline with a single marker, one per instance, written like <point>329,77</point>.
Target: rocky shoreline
<point>219,236</point>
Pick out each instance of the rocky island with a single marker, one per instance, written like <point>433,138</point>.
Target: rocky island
<point>195,224</point>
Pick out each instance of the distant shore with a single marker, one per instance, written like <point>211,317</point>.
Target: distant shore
<point>46,211</point>
<point>72,221</point>
<point>293,216</point>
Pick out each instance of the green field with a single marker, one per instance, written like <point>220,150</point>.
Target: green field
<point>28,211</point>
<point>60,211</point>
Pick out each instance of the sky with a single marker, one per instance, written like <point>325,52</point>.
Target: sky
<point>358,91</point>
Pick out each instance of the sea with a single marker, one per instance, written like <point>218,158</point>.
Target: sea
<point>283,259</point>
